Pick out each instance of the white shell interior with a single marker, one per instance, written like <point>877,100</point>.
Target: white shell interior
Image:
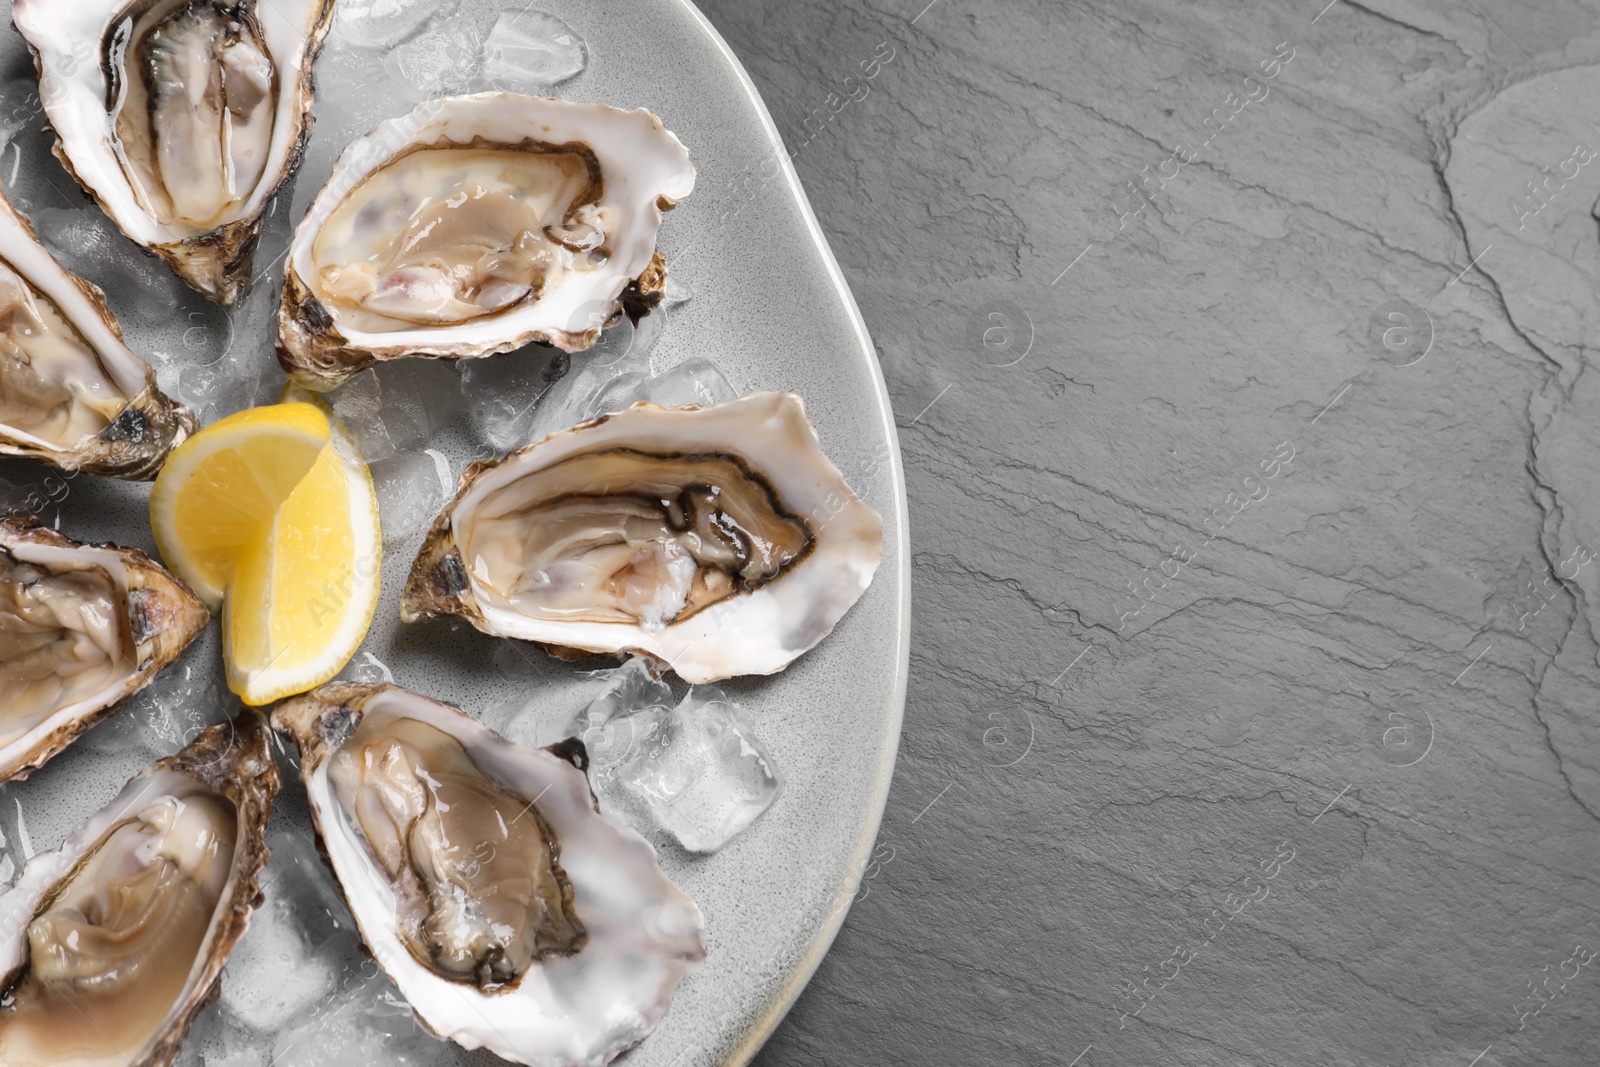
<point>760,632</point>
<point>640,161</point>
<point>34,263</point>
<point>18,751</point>
<point>72,84</point>
<point>44,870</point>
<point>644,933</point>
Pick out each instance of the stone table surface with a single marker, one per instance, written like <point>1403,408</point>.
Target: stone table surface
<point>1240,356</point>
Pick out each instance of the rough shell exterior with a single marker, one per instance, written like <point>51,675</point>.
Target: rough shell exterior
<point>143,435</point>
<point>218,264</point>
<point>165,617</point>
<point>751,633</point>
<point>235,759</point>
<point>314,353</point>
<point>133,447</point>
<point>644,171</point>
<point>581,1009</point>
<point>319,722</point>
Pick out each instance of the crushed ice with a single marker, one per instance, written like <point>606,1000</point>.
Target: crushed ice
<point>298,990</point>
<point>392,412</point>
<point>384,23</point>
<point>531,50</point>
<point>439,62</point>
<point>693,769</point>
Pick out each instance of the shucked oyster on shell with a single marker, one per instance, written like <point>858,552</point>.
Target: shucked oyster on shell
<point>82,628</point>
<point>72,394</point>
<point>479,224</point>
<point>509,912</point>
<point>183,118</point>
<point>718,540</point>
<point>113,943</point>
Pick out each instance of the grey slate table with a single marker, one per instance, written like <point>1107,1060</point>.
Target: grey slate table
<point>1240,353</point>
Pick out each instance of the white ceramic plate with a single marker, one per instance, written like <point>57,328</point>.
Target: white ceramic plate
<point>769,307</point>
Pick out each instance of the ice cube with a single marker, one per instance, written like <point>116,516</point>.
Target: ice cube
<point>675,292</point>
<point>88,244</point>
<point>276,971</point>
<point>419,398</point>
<point>218,1041</point>
<point>698,772</point>
<point>412,487</point>
<point>696,382</point>
<point>556,708</point>
<point>384,23</point>
<point>216,390</point>
<point>367,669</point>
<point>396,406</point>
<point>503,393</point>
<point>171,711</point>
<point>530,49</point>
<point>189,1055</point>
<point>365,1022</point>
<point>582,394</point>
<point>354,94</point>
<point>649,332</point>
<point>302,876</point>
<point>606,724</point>
<point>359,405</point>
<point>436,63</point>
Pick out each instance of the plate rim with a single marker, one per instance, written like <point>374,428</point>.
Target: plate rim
<point>805,968</point>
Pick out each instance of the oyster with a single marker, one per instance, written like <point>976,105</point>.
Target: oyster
<point>484,880</point>
<point>111,945</point>
<point>183,118</point>
<point>479,224</point>
<point>718,540</point>
<point>71,393</point>
<point>82,627</point>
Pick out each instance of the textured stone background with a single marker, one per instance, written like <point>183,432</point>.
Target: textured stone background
<point>1383,667</point>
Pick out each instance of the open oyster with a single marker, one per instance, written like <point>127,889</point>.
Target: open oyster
<point>71,393</point>
<point>82,627</point>
<point>484,880</point>
<point>718,540</point>
<point>479,224</point>
<point>113,943</point>
<point>183,118</point>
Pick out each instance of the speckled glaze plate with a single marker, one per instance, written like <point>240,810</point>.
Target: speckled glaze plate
<point>768,306</point>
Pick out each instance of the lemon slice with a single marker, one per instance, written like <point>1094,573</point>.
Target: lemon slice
<point>220,488</point>
<point>271,514</point>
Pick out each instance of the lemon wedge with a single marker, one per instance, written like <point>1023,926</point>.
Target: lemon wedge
<point>271,515</point>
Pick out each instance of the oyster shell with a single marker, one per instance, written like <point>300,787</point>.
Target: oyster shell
<point>82,628</point>
<point>718,540</point>
<point>111,945</point>
<point>479,224</point>
<point>182,118</point>
<point>484,880</point>
<point>71,393</point>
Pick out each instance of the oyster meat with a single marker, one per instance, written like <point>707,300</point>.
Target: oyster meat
<point>484,880</point>
<point>71,393</point>
<point>82,628</point>
<point>111,945</point>
<point>183,118</point>
<point>479,224</point>
<point>718,540</point>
